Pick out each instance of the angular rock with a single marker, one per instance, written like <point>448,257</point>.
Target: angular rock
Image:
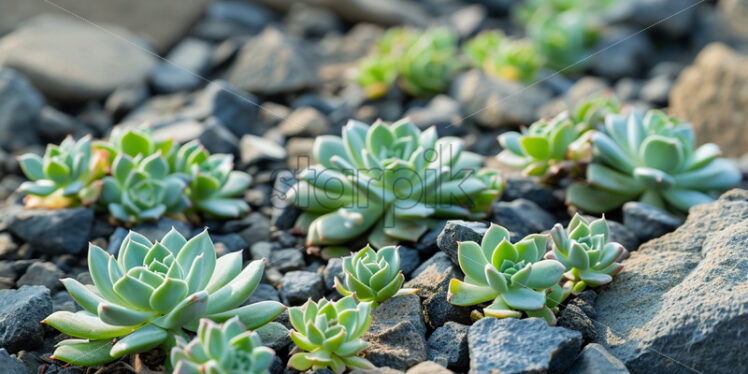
<point>156,230</point>
<point>284,213</point>
<point>595,359</point>
<point>256,229</point>
<point>409,259</point>
<point>448,343</point>
<point>397,333</point>
<point>573,318</point>
<point>432,279</point>
<point>71,61</point>
<point>10,364</point>
<point>184,67</point>
<point>21,104</point>
<point>237,110</point>
<point>44,274</point>
<point>695,276</point>
<point>306,121</point>
<point>217,138</point>
<point>647,222</point>
<point>272,64</point>
<point>288,259</point>
<point>125,98</point>
<point>522,217</point>
<point>622,235</point>
<point>521,346</point>
<point>709,95</point>
<point>527,188</point>
<point>264,292</point>
<point>21,313</point>
<point>456,231</point>
<point>299,286</point>
<point>52,232</point>
<point>428,367</point>
<point>254,149</point>
<point>333,269</point>
<point>274,335</point>
<point>443,112</point>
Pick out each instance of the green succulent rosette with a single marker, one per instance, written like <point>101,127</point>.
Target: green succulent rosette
<point>134,142</point>
<point>429,62</point>
<point>222,349</point>
<point>65,176</point>
<point>513,277</point>
<point>515,60</point>
<point>373,276</point>
<point>651,159</point>
<point>151,292</point>
<point>390,182</point>
<point>328,334</point>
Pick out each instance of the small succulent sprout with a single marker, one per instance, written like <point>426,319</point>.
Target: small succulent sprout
<point>377,74</point>
<point>66,176</point>
<point>428,63</point>
<point>134,142</point>
<point>142,188</point>
<point>513,277</point>
<point>547,149</point>
<point>328,334</point>
<point>145,297</point>
<point>222,349</point>
<point>583,248</point>
<point>590,113</point>
<point>390,182</point>
<point>213,185</point>
<point>651,159</point>
<point>515,60</point>
<point>373,276</point>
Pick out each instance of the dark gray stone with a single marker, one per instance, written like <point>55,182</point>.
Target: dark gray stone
<point>288,259</point>
<point>426,245</point>
<point>52,231</point>
<point>310,21</point>
<point>257,229</point>
<point>233,242</point>
<point>623,235</point>
<point>21,313</point>
<point>529,189</point>
<point>449,343</point>
<point>44,274</point>
<point>126,98</point>
<point>521,216</point>
<point>397,333</point>
<point>595,359</point>
<point>674,18</point>
<point>284,213</point>
<point>155,231</point>
<point>10,364</point>
<point>63,301</point>
<point>252,17</point>
<point>521,346</point>
<point>647,222</point>
<point>443,112</point>
<point>432,279</point>
<point>54,125</point>
<point>456,231</point>
<point>237,110</point>
<point>299,286</point>
<point>264,292</point>
<point>255,149</point>
<point>409,259</point>
<point>304,121</point>
<point>695,276</point>
<point>216,138</point>
<point>585,301</point>
<point>115,240</point>
<point>622,52</point>
<point>334,268</point>
<point>572,317</point>
<point>21,105</point>
<point>274,335</point>
<point>184,67</point>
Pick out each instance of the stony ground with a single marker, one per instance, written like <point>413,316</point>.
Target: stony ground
<point>262,79</point>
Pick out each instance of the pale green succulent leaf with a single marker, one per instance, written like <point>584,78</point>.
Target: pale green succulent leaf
<point>462,293</point>
<point>83,352</point>
<point>141,340</point>
<point>523,298</point>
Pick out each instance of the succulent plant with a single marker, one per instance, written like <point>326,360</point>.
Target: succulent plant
<point>373,276</point>
<point>651,159</point>
<point>66,175</point>
<point>428,62</point>
<point>547,148</point>
<point>134,142</point>
<point>591,111</point>
<point>377,74</point>
<point>146,296</point>
<point>212,183</point>
<point>222,349</point>
<point>328,334</point>
<point>502,57</point>
<point>389,181</point>
<point>514,277</point>
<point>583,248</point>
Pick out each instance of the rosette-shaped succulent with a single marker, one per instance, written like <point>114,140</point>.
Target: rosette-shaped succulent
<point>591,112</point>
<point>328,334</point>
<point>134,142</point>
<point>428,63</point>
<point>564,39</point>
<point>513,276</point>
<point>389,181</point>
<point>584,250</point>
<point>222,349</point>
<point>146,296</point>
<point>502,57</point>
<point>213,184</point>
<point>547,148</point>
<point>373,276</point>
<point>65,176</point>
<point>651,159</point>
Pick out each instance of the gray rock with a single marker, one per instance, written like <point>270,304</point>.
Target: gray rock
<point>456,231</point>
<point>428,367</point>
<point>52,231</point>
<point>333,269</point>
<point>115,240</point>
<point>310,21</point>
<point>288,259</point>
<point>63,301</point>
<point>300,153</point>
<point>522,217</point>
<point>657,89</point>
<point>383,12</point>
<point>299,286</point>
<point>379,370</point>
<point>184,67</point>
<point>10,364</point>
<point>125,98</point>
<point>674,18</point>
<point>595,359</point>
<point>306,121</point>
<point>217,138</point>
<point>695,276</point>
<point>21,105</point>
<point>397,333</point>
<point>432,279</point>
<point>233,242</point>
<point>254,149</point>
<point>261,250</point>
<point>443,112</point>
<point>627,89</point>
<point>54,125</point>
<point>623,235</point>
<point>44,274</point>
<point>7,271</point>
<point>647,222</point>
<point>573,318</point>
<point>449,343</point>
<point>585,301</point>
<point>264,292</point>
<point>274,335</point>
<point>284,213</point>
<point>409,259</point>
<point>495,103</point>
<point>271,64</point>
<point>21,313</point>
<point>584,88</point>
<point>527,188</point>
<point>71,61</point>
<point>237,110</point>
<point>156,230</point>
<point>252,17</point>
<point>257,229</point>
<point>621,52</point>
<point>521,346</point>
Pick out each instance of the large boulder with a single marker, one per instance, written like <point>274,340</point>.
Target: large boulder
<point>73,61</point>
<point>679,306</point>
<point>711,95</point>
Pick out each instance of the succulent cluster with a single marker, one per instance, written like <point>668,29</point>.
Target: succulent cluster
<point>590,112</point>
<point>389,181</point>
<point>586,252</point>
<point>513,277</point>
<point>421,62</point>
<point>651,159</point>
<point>146,296</point>
<point>66,176</point>
<point>499,56</point>
<point>328,334</point>
<point>135,177</point>
<point>222,349</point>
<point>373,276</point>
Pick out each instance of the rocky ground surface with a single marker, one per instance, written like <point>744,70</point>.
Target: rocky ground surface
<point>262,79</point>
